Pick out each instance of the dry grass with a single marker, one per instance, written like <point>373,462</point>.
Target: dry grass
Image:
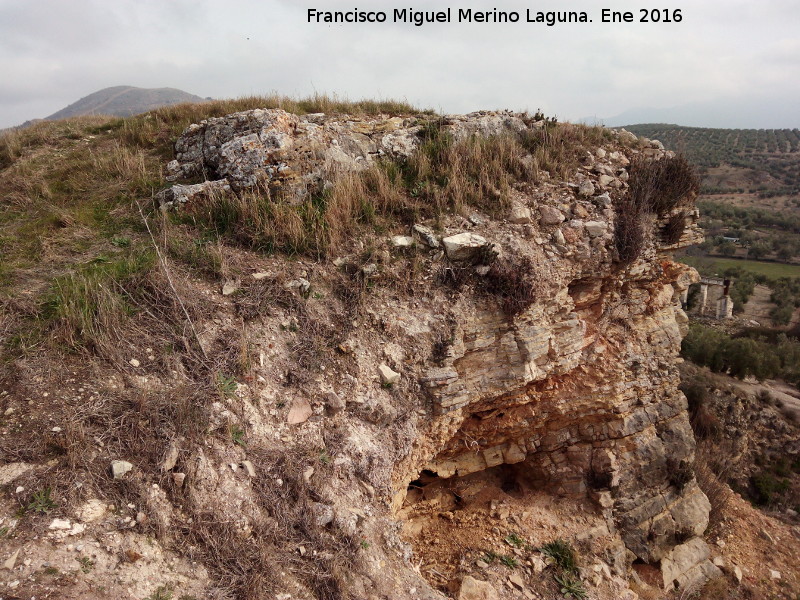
<point>712,473</point>
<point>655,187</point>
<point>249,567</point>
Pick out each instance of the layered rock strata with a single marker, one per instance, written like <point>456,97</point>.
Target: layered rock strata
<point>579,390</point>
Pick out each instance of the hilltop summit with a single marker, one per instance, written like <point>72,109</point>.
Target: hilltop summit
<point>124,101</point>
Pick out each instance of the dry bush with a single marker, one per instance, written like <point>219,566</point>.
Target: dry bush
<point>658,186</point>
<point>712,471</point>
<point>249,567</point>
<point>654,187</point>
<point>673,229</point>
<point>630,234</point>
<point>514,282</point>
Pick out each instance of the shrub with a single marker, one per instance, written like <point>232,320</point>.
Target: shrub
<point>673,229</point>
<point>658,186</point>
<point>654,187</point>
<point>563,554</point>
<point>513,282</point>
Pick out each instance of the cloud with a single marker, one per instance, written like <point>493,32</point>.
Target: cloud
<point>53,52</point>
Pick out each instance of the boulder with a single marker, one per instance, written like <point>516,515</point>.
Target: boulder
<point>463,246</point>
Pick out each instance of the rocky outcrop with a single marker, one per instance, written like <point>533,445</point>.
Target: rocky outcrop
<point>578,391</point>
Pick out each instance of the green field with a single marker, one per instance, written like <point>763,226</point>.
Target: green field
<point>714,265</point>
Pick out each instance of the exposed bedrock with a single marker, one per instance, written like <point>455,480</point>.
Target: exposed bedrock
<point>579,391</point>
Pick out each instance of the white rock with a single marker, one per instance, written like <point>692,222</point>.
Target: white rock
<point>134,363</point>
<point>520,215</point>
<point>120,467</point>
<point>737,573</point>
<point>473,589</point>
<point>92,510</point>
<point>773,574</point>
<point>427,235</point>
<point>171,458</point>
<point>402,241</point>
<point>463,246</point>
<point>586,188</point>
<point>299,412</point>
<point>228,288</point>
<point>388,376</point>
<point>11,561</point>
<point>248,466</point>
<point>595,228</point>
<point>60,524</point>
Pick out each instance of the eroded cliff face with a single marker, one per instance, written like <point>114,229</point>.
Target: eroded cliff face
<point>580,390</point>
<point>320,474</point>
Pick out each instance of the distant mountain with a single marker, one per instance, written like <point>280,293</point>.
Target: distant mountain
<point>124,101</point>
<point>747,112</point>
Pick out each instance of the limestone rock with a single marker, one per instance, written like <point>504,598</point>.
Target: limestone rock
<point>299,412</point>
<point>402,241</point>
<point>550,215</point>
<point>463,246</point>
<point>520,215</point>
<point>334,402</point>
<point>595,228</point>
<point>388,376</point>
<point>586,189</point>
<point>474,589</point>
<point>120,467</point>
<point>427,236</point>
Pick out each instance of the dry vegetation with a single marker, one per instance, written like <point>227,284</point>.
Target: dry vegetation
<point>656,187</point>
<point>91,269</point>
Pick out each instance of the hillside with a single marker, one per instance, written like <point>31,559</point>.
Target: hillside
<point>315,350</point>
<point>731,160</point>
<point>124,101</point>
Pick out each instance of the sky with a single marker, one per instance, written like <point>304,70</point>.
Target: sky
<point>728,63</point>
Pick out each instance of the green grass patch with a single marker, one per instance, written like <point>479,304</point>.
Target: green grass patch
<point>713,265</point>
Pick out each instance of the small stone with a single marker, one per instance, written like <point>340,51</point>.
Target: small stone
<point>516,581</point>
<point>11,561</point>
<point>595,228</point>
<point>9,411</point>
<point>586,189</point>
<point>550,215</point>
<point>402,241</point>
<point>388,376</point>
<point>119,468</point>
<point>171,459</point>
<point>92,510</point>
<point>476,220</point>
<point>60,524</point>
<point>334,403</point>
<point>463,246</point>
<point>737,574</point>
<point>259,276</point>
<point>299,412</point>
<point>482,270</point>
<point>766,535</point>
<point>228,288</point>
<point>308,473</point>
<point>19,489</point>
<point>427,235</point>
<point>558,237</point>
<point>473,589</point>
<point>178,479</point>
<point>520,215</point>
<point>773,574</point>
<point>248,466</point>
<point>721,543</point>
<point>481,564</point>
<point>600,153</point>
<point>604,181</point>
<point>134,363</point>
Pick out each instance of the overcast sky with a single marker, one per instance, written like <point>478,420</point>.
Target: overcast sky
<point>729,63</point>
